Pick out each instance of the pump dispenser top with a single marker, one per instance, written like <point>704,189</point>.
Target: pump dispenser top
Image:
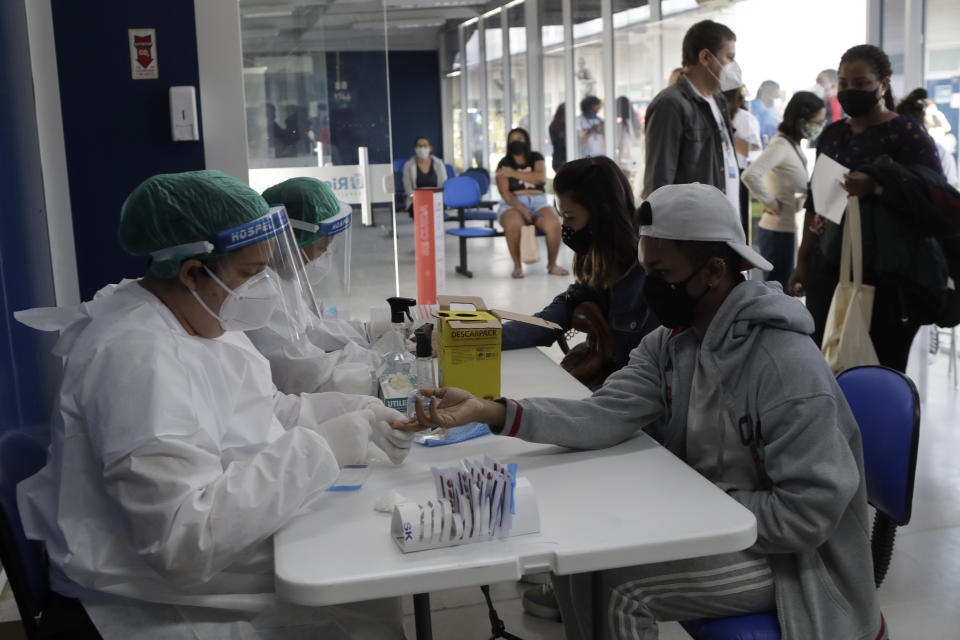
<point>399,307</point>
<point>424,335</point>
<point>397,358</point>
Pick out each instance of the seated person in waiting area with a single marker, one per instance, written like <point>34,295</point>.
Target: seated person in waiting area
<point>521,178</point>
<point>173,457</point>
<point>422,170</point>
<point>722,375</point>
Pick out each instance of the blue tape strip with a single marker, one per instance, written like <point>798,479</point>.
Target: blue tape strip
<point>334,227</point>
<point>454,435</point>
<point>512,469</point>
<point>264,228</point>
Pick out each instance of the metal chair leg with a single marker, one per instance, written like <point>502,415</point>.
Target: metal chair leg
<point>952,367</point>
<point>881,545</point>
<point>421,616</point>
<point>462,267</point>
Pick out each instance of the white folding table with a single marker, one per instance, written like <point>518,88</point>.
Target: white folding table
<point>635,503</point>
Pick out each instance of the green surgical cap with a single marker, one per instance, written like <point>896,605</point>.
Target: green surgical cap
<point>306,199</point>
<point>171,209</point>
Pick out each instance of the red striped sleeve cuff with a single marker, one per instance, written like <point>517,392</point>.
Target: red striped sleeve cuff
<point>517,416</point>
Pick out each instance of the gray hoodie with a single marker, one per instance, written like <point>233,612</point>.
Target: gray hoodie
<point>783,417</point>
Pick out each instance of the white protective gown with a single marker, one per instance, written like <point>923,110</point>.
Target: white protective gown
<point>173,461</point>
<point>309,364</point>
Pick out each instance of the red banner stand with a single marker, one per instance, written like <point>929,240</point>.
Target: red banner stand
<point>428,233</point>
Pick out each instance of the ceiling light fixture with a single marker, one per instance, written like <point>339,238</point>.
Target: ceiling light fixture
<point>438,4</point>
<point>279,13</point>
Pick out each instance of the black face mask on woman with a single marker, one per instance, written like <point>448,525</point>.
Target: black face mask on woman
<point>579,240</point>
<point>857,102</point>
<point>670,302</point>
<point>518,148</point>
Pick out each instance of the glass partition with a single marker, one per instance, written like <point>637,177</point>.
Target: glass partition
<point>496,116</point>
<point>892,39</point>
<point>942,75</point>
<point>520,104</point>
<point>637,79</point>
<point>317,104</point>
<point>551,37</point>
<point>588,84</point>
<point>474,130</point>
<point>456,118</point>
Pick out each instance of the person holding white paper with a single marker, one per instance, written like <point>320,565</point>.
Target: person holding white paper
<point>873,131</point>
<point>723,375</point>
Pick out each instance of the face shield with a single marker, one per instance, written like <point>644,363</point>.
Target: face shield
<point>327,260</point>
<point>265,246</point>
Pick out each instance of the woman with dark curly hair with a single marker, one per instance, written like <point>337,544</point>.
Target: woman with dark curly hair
<point>872,143</point>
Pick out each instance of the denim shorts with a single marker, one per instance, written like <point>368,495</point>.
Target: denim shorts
<point>532,201</point>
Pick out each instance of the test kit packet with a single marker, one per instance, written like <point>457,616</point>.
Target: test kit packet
<point>469,341</point>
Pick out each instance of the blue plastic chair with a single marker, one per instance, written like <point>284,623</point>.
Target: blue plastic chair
<point>398,164</point>
<point>451,172</point>
<point>482,177</point>
<point>887,409</point>
<point>44,614</point>
<point>461,193</point>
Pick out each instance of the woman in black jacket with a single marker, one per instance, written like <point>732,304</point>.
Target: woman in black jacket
<point>595,202</point>
<point>872,131</point>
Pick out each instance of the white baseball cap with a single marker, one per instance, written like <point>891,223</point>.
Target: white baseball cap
<point>698,212</point>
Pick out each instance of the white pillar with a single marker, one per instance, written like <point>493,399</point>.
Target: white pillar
<point>874,33</point>
<point>366,212</point>
<point>531,15</point>
<point>569,85</point>
<point>222,100</point>
<point>912,45</point>
<point>53,152</point>
<point>484,110</point>
<point>609,81</point>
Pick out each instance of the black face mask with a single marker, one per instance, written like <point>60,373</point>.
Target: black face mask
<point>857,102</point>
<point>579,240</point>
<point>518,148</point>
<point>670,302</point>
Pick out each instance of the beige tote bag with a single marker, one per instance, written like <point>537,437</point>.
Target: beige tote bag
<point>529,247</point>
<point>846,337</point>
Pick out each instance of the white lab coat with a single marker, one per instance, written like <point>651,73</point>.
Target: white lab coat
<point>173,461</point>
<point>309,363</point>
<point>331,333</point>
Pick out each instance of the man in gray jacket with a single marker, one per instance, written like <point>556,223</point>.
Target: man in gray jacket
<point>689,137</point>
<point>748,401</point>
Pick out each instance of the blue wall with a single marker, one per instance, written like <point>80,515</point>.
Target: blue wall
<point>415,101</point>
<point>414,104</point>
<point>116,129</point>
<point>28,373</point>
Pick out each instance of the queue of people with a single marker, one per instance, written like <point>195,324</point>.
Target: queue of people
<point>157,512</point>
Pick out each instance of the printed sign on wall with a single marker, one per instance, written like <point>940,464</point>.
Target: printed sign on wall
<point>143,53</point>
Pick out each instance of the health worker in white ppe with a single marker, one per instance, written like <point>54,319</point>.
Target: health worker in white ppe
<point>174,458</point>
<point>307,351</point>
<point>323,227</point>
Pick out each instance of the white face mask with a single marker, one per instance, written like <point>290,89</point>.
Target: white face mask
<point>730,77</point>
<point>247,307</point>
<point>423,152</point>
<point>819,91</point>
<point>318,268</point>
